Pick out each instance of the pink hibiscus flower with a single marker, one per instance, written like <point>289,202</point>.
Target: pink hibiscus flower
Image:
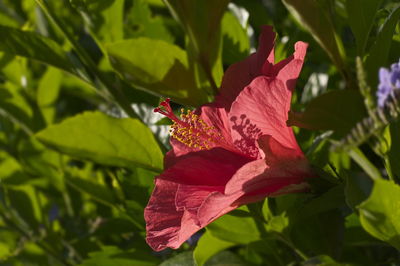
<point>234,151</point>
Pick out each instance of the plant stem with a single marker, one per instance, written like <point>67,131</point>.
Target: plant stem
<point>389,168</point>
<point>282,238</point>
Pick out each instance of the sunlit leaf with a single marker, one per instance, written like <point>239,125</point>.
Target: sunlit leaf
<point>380,213</point>
<point>208,246</point>
<point>142,23</point>
<point>156,66</point>
<point>105,140</point>
<point>47,93</point>
<point>240,230</point>
<point>236,45</point>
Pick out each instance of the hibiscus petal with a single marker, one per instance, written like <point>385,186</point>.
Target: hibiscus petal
<point>208,167</point>
<point>274,151</point>
<point>282,178</point>
<point>253,182</point>
<point>189,197</point>
<point>239,75</point>
<point>178,149</point>
<point>214,116</point>
<point>217,117</point>
<point>165,225</point>
<point>219,203</point>
<point>289,69</point>
<point>264,104</point>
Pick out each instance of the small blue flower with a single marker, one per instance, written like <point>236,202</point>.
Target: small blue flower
<point>389,80</point>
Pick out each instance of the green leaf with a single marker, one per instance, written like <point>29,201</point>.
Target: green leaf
<point>106,18</point>
<point>8,243</point>
<point>141,22</point>
<point>16,108</point>
<point>236,45</point>
<point>34,46</point>
<point>380,213</point>
<point>202,23</point>
<point>315,17</point>
<point>379,51</point>
<point>105,140</point>
<point>111,255</point>
<point>361,15</point>
<point>11,173</point>
<point>42,164</point>
<point>225,258</point>
<point>336,110</point>
<point>25,200</point>
<point>321,233</point>
<point>330,200</point>
<point>357,189</point>
<point>184,258</point>
<point>208,246</point>
<point>240,230</point>
<point>322,260</point>
<point>157,66</point>
<point>47,93</point>
<point>276,222</point>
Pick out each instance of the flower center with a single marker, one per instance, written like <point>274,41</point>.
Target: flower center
<point>190,129</point>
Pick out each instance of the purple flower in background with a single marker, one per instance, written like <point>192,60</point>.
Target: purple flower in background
<point>389,80</point>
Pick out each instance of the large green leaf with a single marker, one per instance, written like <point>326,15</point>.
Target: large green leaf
<point>379,51</point>
<point>201,21</point>
<point>336,110</point>
<point>315,17</point>
<point>240,230</point>
<point>380,213</point>
<point>34,46</point>
<point>105,140</point>
<point>157,66</point>
<point>208,246</point>
<point>361,15</point>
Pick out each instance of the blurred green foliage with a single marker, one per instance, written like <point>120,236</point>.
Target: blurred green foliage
<point>80,145</point>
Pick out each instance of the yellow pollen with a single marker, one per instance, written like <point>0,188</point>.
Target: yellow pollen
<point>190,129</point>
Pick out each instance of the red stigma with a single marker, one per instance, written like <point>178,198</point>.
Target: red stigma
<point>165,109</point>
